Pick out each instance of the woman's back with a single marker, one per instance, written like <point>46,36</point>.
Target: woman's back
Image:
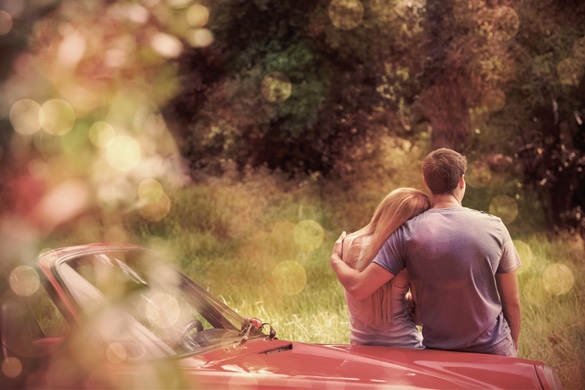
<point>382,318</point>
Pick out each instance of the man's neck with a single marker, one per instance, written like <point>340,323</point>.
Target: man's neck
<point>445,201</point>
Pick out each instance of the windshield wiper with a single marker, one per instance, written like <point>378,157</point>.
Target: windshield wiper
<point>258,326</point>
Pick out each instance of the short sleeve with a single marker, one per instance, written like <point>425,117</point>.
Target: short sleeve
<point>510,260</point>
<point>390,256</point>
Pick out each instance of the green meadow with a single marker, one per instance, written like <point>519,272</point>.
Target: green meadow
<point>262,244</point>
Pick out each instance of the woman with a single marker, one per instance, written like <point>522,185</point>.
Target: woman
<point>384,318</point>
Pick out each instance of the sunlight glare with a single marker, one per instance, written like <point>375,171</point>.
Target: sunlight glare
<point>58,117</point>
<point>240,381</point>
<point>308,235</point>
<point>116,58</point>
<point>504,207</point>
<point>289,277</point>
<point>162,310</point>
<point>24,280</point>
<point>101,134</point>
<point>346,14</point>
<point>178,3</point>
<point>276,87</point>
<point>298,382</point>
<point>63,202</point>
<point>558,279</point>
<point>123,153</point>
<point>137,13</point>
<point>26,116</point>
<point>72,48</point>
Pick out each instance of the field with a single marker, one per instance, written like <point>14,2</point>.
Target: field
<point>263,246</point>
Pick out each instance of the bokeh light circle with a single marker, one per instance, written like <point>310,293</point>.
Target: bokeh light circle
<point>526,255</point>
<point>11,367</point>
<point>166,45</point>
<point>5,22</point>
<point>24,280</point>
<point>26,116</point>
<point>558,279</point>
<point>101,134</point>
<point>150,191</point>
<point>289,277</point>
<point>156,210</point>
<point>201,37</point>
<point>579,50</point>
<point>478,174</point>
<point>534,292</point>
<point>276,87</point>
<point>123,153</point>
<point>308,235</point>
<point>346,14</point>
<point>116,353</point>
<point>504,207</point>
<point>58,117</point>
<point>570,71</point>
<point>493,99</point>
<point>506,23</point>
<point>197,15</point>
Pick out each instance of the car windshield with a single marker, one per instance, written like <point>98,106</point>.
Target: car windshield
<point>141,307</point>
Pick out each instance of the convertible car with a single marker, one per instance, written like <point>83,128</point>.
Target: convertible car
<point>120,317</point>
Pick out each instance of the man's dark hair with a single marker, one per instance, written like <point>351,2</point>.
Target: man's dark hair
<point>442,169</point>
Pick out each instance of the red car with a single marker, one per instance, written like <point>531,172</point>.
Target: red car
<point>119,317</point>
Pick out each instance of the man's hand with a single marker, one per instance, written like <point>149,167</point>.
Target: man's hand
<point>337,253</point>
<point>359,284</point>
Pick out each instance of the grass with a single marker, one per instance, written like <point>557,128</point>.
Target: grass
<point>244,242</point>
<point>250,244</point>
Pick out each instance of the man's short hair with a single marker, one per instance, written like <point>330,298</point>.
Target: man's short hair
<point>442,169</point>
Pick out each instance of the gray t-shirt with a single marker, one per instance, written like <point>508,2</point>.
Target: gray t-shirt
<point>452,256</point>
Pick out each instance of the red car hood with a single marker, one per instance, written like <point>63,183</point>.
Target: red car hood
<point>280,364</point>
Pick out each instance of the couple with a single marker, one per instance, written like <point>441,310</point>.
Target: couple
<point>459,263</point>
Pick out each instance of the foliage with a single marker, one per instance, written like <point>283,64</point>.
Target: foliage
<point>333,76</point>
<point>549,94</point>
<point>473,73</point>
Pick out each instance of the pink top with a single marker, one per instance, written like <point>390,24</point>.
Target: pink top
<point>400,332</point>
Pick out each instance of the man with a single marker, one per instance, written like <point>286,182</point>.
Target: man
<point>462,264</point>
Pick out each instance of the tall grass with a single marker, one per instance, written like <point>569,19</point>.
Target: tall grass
<point>241,240</point>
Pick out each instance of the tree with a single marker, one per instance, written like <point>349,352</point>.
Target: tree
<point>327,77</point>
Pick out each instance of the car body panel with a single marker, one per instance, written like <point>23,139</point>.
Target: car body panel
<point>262,361</point>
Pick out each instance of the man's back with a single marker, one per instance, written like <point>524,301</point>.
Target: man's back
<point>452,255</point>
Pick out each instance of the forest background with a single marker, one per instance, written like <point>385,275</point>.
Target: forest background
<point>241,137</point>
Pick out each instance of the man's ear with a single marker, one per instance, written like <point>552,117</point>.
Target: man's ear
<point>462,181</point>
<point>425,184</point>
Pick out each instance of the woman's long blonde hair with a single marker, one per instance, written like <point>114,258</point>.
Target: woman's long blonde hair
<point>396,208</point>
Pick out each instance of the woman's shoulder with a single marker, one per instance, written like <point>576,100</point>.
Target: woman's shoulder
<point>352,247</point>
